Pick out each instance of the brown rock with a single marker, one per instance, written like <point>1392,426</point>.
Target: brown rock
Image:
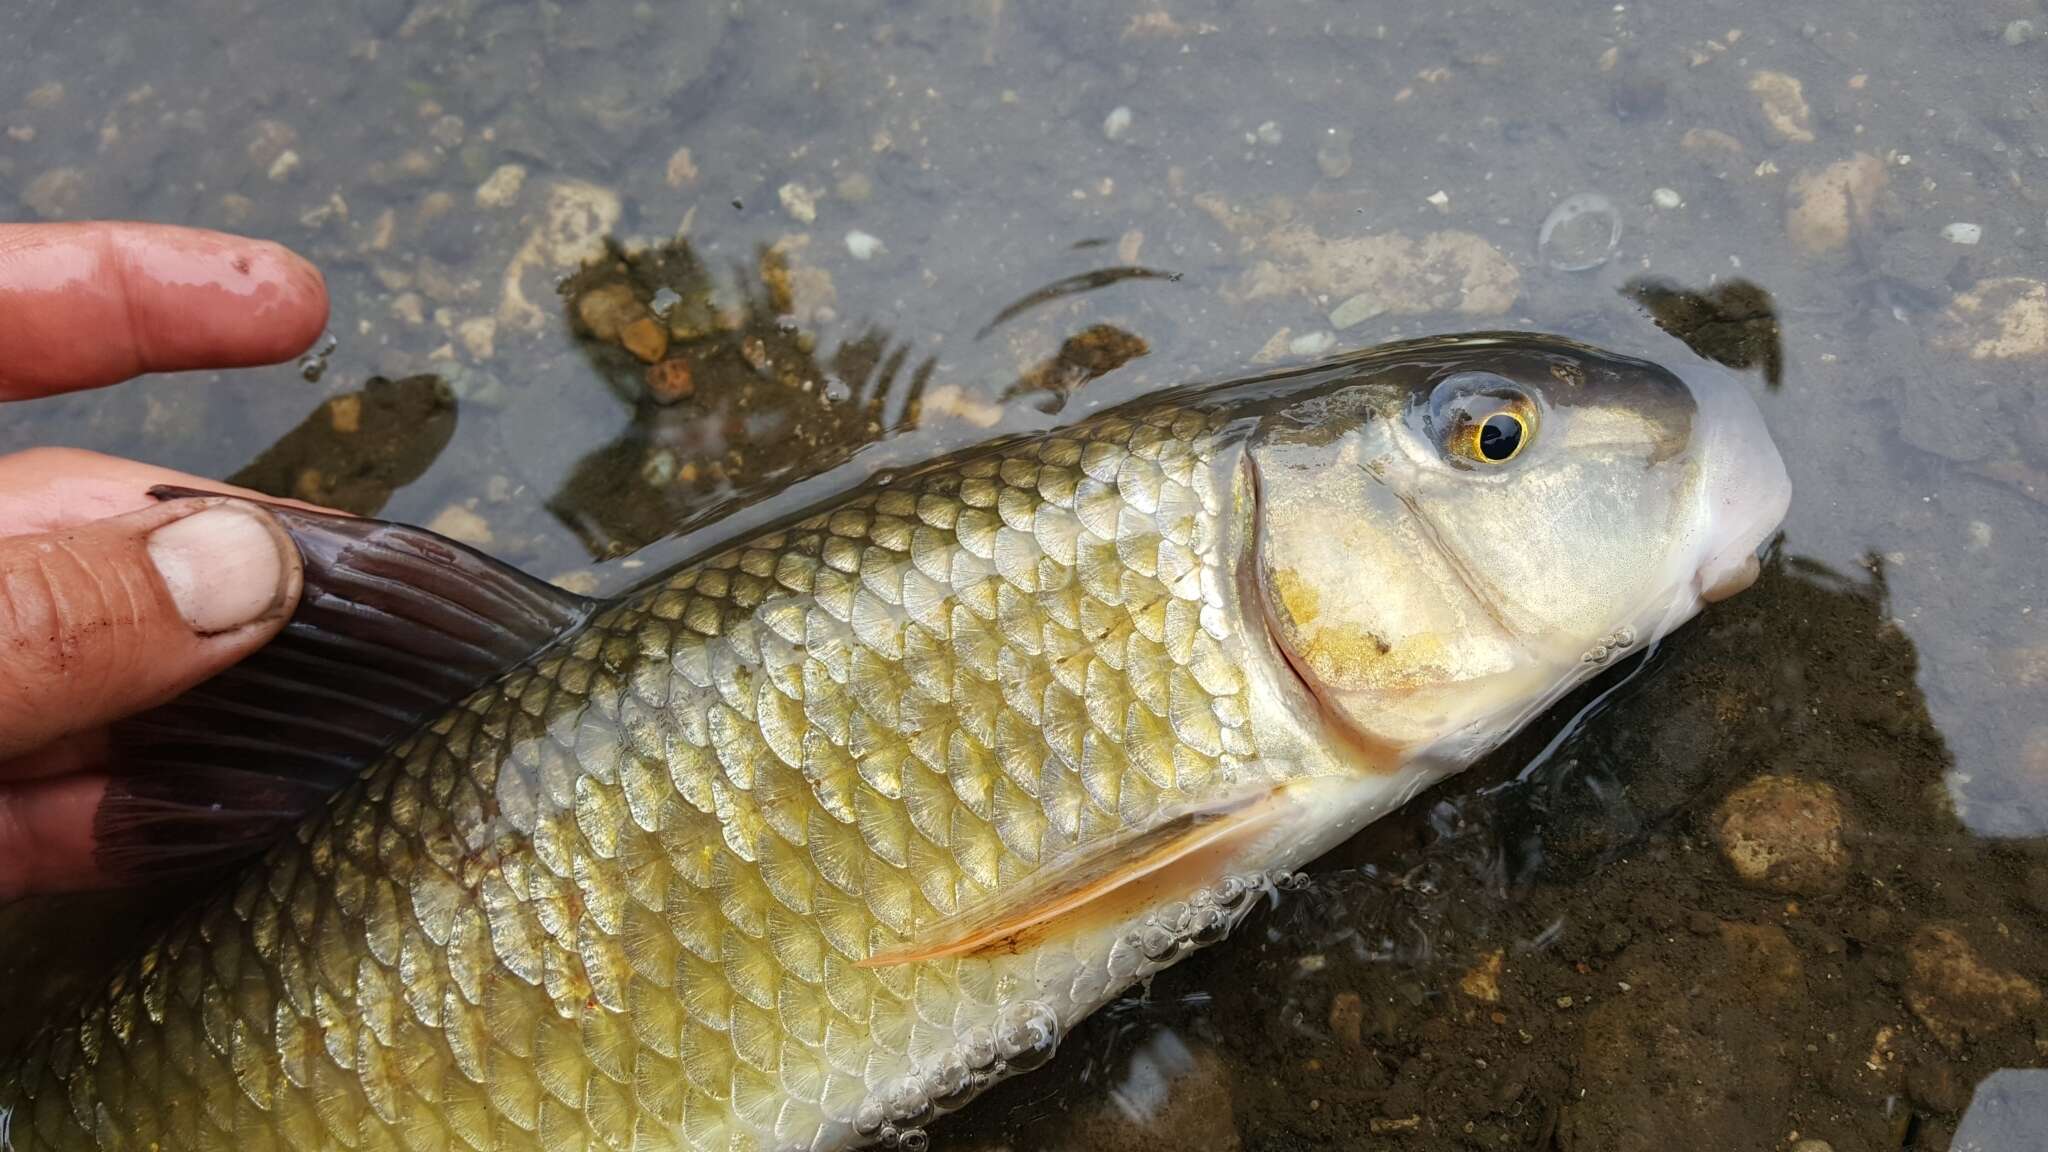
<point>608,309</point>
<point>1781,104</point>
<point>55,194</point>
<point>1347,1019</point>
<point>1822,206</point>
<point>1761,957</point>
<point>645,338</point>
<point>1784,834</point>
<point>1709,144</point>
<point>1956,994</point>
<point>1482,982</point>
<point>2001,319</point>
<point>670,381</point>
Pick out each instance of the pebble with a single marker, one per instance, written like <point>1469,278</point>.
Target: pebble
<point>1580,234</point>
<point>57,193</point>
<point>1813,1146</point>
<point>1269,133</point>
<point>1709,144</point>
<point>462,524</point>
<point>607,310</point>
<point>281,169</point>
<point>1666,198</point>
<point>1784,834</point>
<point>502,186</point>
<point>800,202</point>
<point>682,170</point>
<point>1116,123</point>
<point>862,245</point>
<point>1956,994</point>
<point>581,581</point>
<point>1781,100</point>
<point>479,336</point>
<point>1312,343</point>
<point>2019,32</point>
<point>1439,200</point>
<point>646,338</point>
<point>670,381</point>
<point>1823,205</point>
<point>1482,981</point>
<point>1347,1019</point>
<point>1962,233</point>
<point>46,96</point>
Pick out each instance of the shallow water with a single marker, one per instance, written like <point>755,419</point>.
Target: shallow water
<point>894,227</point>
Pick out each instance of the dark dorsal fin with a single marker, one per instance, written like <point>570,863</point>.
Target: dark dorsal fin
<point>395,625</point>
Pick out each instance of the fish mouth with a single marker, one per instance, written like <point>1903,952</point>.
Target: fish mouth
<point>1745,491</point>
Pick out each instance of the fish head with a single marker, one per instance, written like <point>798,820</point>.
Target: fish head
<point>1445,544</point>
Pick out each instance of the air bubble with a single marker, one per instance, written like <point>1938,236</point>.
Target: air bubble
<point>868,1121</point>
<point>1580,234</point>
<point>1026,1034</point>
<point>313,365</point>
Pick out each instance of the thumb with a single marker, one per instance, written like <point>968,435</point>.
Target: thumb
<point>119,615</point>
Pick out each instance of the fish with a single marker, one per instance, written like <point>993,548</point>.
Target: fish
<point>806,842</point>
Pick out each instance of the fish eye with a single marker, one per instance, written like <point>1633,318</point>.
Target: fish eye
<point>1482,420</point>
<point>1498,438</point>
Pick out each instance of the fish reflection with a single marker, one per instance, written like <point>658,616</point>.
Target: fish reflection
<point>732,398</point>
<point>356,449</point>
<point>1734,323</point>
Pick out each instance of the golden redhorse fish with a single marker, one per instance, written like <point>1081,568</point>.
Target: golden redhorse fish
<point>807,842</point>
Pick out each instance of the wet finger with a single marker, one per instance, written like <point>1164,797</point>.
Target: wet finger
<point>86,305</point>
<point>50,489</point>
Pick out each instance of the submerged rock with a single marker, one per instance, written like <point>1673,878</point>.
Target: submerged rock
<point>1447,271</point>
<point>1823,205</point>
<point>1784,834</point>
<point>2001,319</point>
<point>1956,994</point>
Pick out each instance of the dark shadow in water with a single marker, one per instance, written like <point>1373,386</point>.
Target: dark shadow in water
<point>729,395</point>
<point>1551,952</point>
<point>354,450</point>
<point>731,399</point>
<point>1734,323</point>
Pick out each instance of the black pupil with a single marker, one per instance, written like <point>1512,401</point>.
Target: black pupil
<point>1499,437</point>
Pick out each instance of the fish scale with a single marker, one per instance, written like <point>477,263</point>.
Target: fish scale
<point>619,899</point>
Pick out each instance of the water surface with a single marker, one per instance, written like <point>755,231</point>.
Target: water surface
<point>875,230</point>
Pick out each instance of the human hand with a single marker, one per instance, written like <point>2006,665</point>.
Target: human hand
<point>111,603</point>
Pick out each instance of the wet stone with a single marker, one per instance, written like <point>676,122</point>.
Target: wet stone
<point>1823,205</point>
<point>1957,994</point>
<point>56,194</point>
<point>1781,105</point>
<point>1783,834</point>
<point>2000,319</point>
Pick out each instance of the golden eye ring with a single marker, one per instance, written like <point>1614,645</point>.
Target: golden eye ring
<point>1496,439</point>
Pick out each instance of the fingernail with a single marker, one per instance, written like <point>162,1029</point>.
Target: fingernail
<point>225,567</point>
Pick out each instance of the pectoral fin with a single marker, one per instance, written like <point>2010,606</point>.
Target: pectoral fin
<point>1104,884</point>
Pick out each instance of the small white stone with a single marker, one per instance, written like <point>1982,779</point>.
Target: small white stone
<point>800,202</point>
<point>1269,133</point>
<point>1666,198</point>
<point>1312,343</point>
<point>862,245</point>
<point>1440,200</point>
<point>1962,233</point>
<point>1117,122</point>
<point>281,169</point>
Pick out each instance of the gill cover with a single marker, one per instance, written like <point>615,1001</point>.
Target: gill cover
<point>1443,538</point>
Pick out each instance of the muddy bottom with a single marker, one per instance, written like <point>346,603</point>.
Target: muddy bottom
<point>1732,910</point>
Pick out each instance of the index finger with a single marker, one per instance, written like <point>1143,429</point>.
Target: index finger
<point>86,305</point>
